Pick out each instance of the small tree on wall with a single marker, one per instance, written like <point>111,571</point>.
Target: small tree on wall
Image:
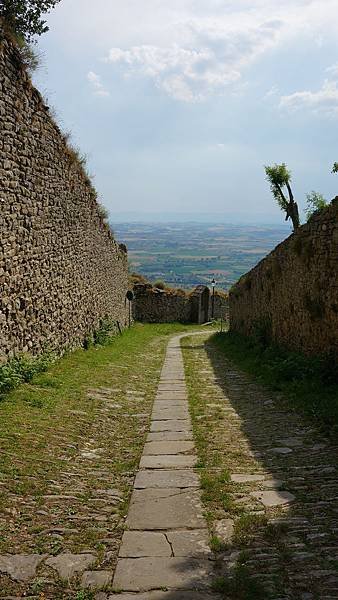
<point>335,168</point>
<point>315,203</point>
<point>24,17</point>
<point>279,178</point>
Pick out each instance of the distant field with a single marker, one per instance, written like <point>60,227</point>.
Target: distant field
<point>188,254</point>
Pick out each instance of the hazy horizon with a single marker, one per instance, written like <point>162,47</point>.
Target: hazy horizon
<point>154,217</point>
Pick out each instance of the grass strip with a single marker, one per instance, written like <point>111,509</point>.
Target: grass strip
<point>68,438</point>
<point>310,383</point>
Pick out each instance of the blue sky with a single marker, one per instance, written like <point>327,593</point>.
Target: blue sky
<point>179,104</point>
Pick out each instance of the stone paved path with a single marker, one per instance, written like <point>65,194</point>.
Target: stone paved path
<point>67,472</point>
<point>276,512</point>
<point>165,546</point>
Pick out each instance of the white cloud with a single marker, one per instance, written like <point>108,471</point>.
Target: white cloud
<point>213,57</point>
<point>97,86</point>
<point>324,101</point>
<point>192,49</point>
<point>332,71</point>
<point>185,74</point>
<point>272,92</point>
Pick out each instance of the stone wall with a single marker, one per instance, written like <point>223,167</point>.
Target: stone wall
<point>292,295</point>
<point>221,307</point>
<point>153,305</point>
<point>61,271</point>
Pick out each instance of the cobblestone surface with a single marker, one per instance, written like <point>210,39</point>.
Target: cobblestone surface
<point>284,504</point>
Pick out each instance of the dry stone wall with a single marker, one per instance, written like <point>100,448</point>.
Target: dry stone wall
<point>153,305</point>
<point>221,306</point>
<point>292,295</point>
<point>61,271</point>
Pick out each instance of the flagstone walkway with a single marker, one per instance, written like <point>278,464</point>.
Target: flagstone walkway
<point>164,553</point>
<point>270,493</point>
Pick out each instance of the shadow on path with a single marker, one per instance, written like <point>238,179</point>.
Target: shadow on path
<point>251,431</point>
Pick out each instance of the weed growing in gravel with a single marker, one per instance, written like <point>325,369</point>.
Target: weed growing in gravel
<point>275,532</point>
<point>214,490</point>
<point>247,526</point>
<point>216,544</point>
<point>240,585</point>
<point>84,595</point>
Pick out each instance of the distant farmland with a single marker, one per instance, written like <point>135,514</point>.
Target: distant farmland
<point>188,254</point>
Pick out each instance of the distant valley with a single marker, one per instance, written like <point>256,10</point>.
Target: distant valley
<point>187,254</point>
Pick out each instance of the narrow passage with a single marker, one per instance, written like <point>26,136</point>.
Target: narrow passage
<point>165,547</point>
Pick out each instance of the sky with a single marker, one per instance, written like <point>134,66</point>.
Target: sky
<point>179,104</point>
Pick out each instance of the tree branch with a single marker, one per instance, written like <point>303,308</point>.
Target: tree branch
<point>281,194</point>
<point>290,192</point>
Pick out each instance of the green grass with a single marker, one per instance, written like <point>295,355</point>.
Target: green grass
<point>208,425</point>
<point>84,595</point>
<point>22,369</point>
<point>309,383</point>
<point>241,585</point>
<point>48,424</point>
<point>216,544</point>
<point>214,490</point>
<point>247,527</point>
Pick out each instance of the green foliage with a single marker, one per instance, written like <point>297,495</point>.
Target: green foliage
<point>309,384</point>
<point>262,332</point>
<point>335,168</point>
<point>30,58</point>
<point>278,176</point>
<point>74,153</point>
<point>24,17</point>
<point>106,331</point>
<point>241,585</point>
<point>159,285</point>
<point>21,369</point>
<point>247,526</point>
<point>103,212</point>
<point>315,203</point>
<point>84,595</point>
<point>275,532</point>
<point>214,488</point>
<point>216,544</point>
